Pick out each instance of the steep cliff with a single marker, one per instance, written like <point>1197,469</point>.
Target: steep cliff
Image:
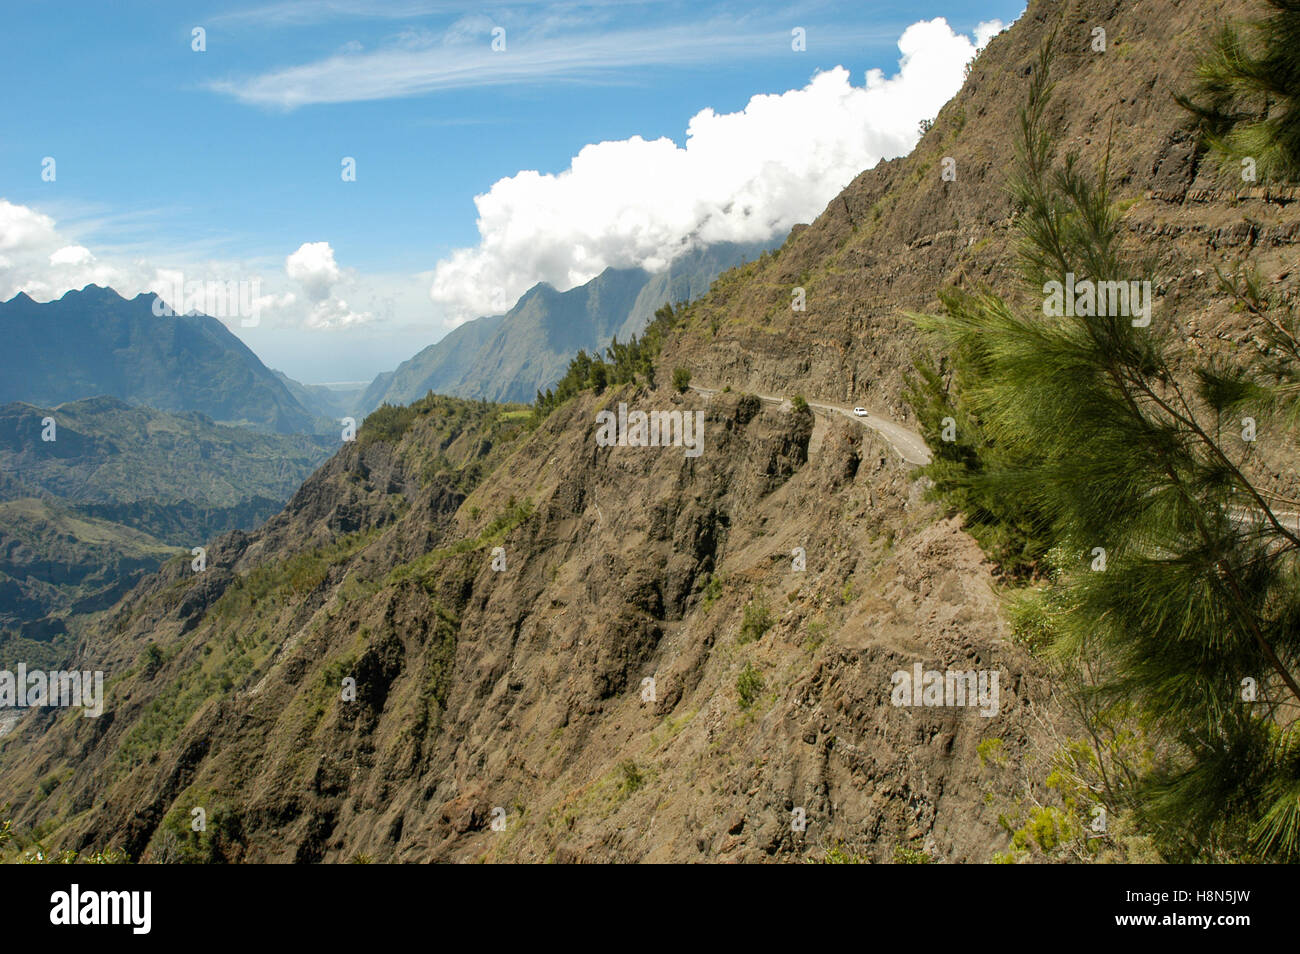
<point>501,709</point>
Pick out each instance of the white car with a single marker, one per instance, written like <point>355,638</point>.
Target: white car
<point>859,412</point>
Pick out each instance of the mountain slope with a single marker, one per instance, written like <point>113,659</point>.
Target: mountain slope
<point>55,562</point>
<point>900,233</point>
<point>320,400</point>
<point>441,367</point>
<point>522,689</point>
<point>511,357</point>
<point>118,490</point>
<point>517,692</point>
<point>94,342</point>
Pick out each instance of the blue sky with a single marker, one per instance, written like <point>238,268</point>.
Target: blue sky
<point>222,164</point>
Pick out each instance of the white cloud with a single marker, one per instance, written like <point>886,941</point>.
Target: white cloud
<point>744,176</point>
<point>23,227</point>
<point>336,313</point>
<point>986,30</point>
<point>41,261</point>
<point>71,255</point>
<point>313,267</point>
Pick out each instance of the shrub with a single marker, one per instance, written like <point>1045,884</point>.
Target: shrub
<point>748,685</point>
<point>757,621</point>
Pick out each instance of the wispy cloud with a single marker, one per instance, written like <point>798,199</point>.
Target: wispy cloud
<point>423,63</point>
<point>300,13</point>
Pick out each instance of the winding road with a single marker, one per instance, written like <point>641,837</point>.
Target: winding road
<point>910,446</point>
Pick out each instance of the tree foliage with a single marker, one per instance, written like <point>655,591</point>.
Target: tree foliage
<point>1247,96</point>
<point>1180,580</point>
<point>624,363</point>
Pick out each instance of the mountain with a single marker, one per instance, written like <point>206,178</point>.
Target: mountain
<point>442,367</point>
<point>471,616</point>
<point>511,357</point>
<point>320,400</point>
<point>94,342</point>
<point>118,490</point>
<point>56,562</point>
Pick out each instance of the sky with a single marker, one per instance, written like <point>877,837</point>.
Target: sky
<point>376,173</point>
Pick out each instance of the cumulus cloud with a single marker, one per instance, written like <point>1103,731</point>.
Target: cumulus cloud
<point>71,255</point>
<point>36,258</point>
<point>986,30</point>
<point>336,313</point>
<point>313,267</point>
<point>741,177</point>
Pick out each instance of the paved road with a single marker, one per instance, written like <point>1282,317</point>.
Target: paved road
<point>907,444</point>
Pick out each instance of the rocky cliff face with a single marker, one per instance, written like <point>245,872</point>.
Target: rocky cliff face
<point>501,709</point>
<point>523,689</point>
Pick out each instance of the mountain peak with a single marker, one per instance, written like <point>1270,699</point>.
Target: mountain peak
<point>107,344</point>
<point>91,292</point>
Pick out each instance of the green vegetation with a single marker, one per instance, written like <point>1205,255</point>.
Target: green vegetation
<point>837,854</point>
<point>454,416</point>
<point>1082,434</point>
<point>1011,529</point>
<point>815,633</point>
<point>31,850</point>
<point>712,591</point>
<point>177,842</point>
<point>681,380</point>
<point>990,752</point>
<point>151,660</point>
<point>388,422</point>
<point>911,856</point>
<point>756,621</point>
<point>291,580</point>
<point>632,777</point>
<point>491,535</point>
<point>1247,96</point>
<point>748,685</point>
<point>623,364</point>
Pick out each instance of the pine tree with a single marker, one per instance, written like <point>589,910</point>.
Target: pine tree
<point>1248,93</point>
<point>1180,576</point>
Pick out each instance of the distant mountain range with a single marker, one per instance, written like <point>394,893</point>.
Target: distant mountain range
<point>94,341</point>
<point>511,357</point>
